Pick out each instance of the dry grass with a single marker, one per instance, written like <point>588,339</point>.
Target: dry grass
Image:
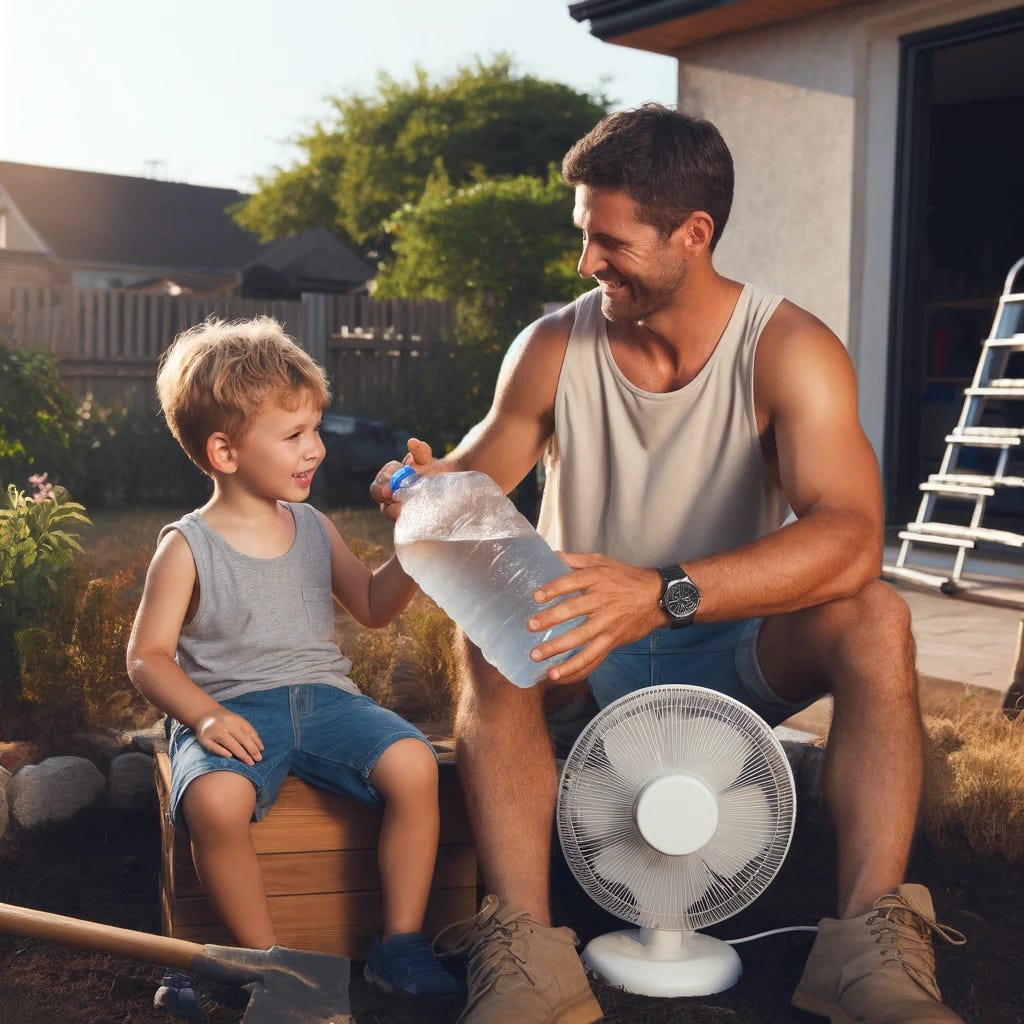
<point>432,656</point>
<point>975,782</point>
<point>373,655</point>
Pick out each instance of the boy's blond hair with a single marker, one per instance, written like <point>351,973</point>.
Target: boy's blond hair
<point>217,376</point>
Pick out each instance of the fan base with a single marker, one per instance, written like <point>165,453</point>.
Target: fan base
<point>649,962</point>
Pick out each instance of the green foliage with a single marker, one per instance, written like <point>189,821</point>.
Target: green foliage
<point>498,249</point>
<point>123,455</point>
<point>433,656</point>
<point>378,151</point>
<point>37,416</point>
<point>38,543</point>
<point>72,662</point>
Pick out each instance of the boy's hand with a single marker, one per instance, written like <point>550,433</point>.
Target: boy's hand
<point>420,457</point>
<point>229,735</point>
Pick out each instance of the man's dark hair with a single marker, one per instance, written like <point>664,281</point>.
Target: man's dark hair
<point>669,163</point>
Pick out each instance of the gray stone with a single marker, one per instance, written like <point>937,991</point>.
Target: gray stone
<point>5,781</point>
<point>55,790</point>
<point>147,740</point>
<point>130,786</point>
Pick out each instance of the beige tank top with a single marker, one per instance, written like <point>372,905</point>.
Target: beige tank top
<point>650,478</point>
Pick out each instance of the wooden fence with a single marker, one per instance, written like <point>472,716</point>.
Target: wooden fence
<point>108,342</point>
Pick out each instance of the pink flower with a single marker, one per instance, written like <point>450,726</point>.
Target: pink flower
<point>41,489</point>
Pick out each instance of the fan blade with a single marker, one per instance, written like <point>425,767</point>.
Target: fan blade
<point>601,804</point>
<point>745,829</point>
<point>629,751</point>
<point>712,749</point>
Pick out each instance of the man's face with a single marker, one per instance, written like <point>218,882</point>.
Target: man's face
<point>639,271</point>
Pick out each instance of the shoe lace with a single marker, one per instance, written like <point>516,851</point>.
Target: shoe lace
<point>905,935</point>
<point>488,939</point>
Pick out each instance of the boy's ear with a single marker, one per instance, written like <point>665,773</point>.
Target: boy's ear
<point>220,453</point>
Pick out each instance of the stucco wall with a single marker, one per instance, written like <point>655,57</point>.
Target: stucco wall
<point>809,110</point>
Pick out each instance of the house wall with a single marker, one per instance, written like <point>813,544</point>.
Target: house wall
<point>18,235</point>
<point>809,110</point>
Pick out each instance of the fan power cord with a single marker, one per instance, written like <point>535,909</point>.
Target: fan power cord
<point>774,931</point>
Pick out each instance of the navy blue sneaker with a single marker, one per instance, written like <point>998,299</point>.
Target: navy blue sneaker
<point>407,963</point>
<point>176,995</point>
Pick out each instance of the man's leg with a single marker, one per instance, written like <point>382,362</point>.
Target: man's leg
<point>521,970</point>
<point>862,650</point>
<point>873,963</point>
<point>507,768</point>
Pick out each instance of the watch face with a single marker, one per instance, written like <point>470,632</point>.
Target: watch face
<point>681,598</point>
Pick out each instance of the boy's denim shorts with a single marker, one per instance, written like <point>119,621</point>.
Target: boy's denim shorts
<point>721,656</point>
<point>330,738</point>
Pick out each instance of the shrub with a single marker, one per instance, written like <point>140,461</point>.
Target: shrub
<point>432,655</point>
<point>38,544</point>
<point>72,663</point>
<point>37,416</point>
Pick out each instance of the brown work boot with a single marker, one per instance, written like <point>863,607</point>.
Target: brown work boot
<point>520,972</point>
<point>878,968</point>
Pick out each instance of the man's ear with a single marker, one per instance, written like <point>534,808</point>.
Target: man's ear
<point>694,235</point>
<point>220,453</point>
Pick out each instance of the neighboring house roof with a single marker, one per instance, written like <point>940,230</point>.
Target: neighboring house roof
<point>112,219</point>
<point>313,255</point>
<point>667,26</point>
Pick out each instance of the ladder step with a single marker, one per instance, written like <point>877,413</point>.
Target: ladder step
<point>1015,344</point>
<point>901,572</point>
<point>982,440</point>
<point>957,490</point>
<point>991,431</point>
<point>976,533</point>
<point>975,480</point>
<point>925,538</point>
<point>1001,387</point>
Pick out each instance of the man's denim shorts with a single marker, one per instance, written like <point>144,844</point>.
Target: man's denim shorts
<point>325,735</point>
<point>721,656</point>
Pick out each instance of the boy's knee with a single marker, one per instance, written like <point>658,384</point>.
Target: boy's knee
<point>407,766</point>
<point>219,803</point>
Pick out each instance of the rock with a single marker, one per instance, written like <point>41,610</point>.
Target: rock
<point>147,740</point>
<point>55,790</point>
<point>14,755</point>
<point>5,781</point>
<point>130,786</point>
<point>99,747</point>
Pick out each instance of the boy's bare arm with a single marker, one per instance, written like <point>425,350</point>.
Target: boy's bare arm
<point>372,598</point>
<point>155,673</point>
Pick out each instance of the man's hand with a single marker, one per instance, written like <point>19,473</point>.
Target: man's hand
<point>420,457</point>
<point>229,735</point>
<point>620,603</point>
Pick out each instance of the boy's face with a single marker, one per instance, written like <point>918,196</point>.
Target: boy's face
<point>281,451</point>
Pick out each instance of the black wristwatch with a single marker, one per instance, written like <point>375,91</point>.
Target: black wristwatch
<point>679,595</point>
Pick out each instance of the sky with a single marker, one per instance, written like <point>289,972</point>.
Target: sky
<point>212,92</point>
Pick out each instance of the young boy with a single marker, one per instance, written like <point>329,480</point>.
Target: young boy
<point>233,639</point>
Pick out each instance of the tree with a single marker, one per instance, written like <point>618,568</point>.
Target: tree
<point>497,248</point>
<point>378,151</point>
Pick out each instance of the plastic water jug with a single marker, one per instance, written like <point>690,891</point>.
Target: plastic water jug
<point>480,560</point>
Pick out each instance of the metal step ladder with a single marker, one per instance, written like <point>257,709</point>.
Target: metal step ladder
<point>953,484</point>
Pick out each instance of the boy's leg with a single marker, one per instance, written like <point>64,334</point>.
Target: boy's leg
<point>218,808</point>
<point>406,777</point>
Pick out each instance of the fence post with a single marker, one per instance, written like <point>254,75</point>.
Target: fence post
<point>315,325</point>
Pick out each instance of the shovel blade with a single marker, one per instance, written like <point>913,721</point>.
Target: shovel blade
<point>288,986</point>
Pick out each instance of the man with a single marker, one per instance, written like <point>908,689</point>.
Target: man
<point>676,454</point>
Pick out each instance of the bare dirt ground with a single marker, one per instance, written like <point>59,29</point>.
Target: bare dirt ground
<point>106,869</point>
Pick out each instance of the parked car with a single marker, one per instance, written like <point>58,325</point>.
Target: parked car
<point>357,446</point>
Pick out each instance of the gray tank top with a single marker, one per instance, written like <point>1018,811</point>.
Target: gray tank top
<point>261,622</point>
<point>650,478</point>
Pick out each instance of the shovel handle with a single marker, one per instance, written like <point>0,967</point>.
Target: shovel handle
<point>99,938</point>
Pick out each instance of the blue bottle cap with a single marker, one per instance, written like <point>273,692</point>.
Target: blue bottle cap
<point>401,477</point>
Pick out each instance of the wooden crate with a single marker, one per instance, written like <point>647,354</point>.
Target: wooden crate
<point>318,852</point>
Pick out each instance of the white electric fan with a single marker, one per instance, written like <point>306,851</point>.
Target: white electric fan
<point>675,811</point>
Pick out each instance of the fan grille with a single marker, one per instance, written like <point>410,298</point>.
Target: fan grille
<point>706,735</point>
